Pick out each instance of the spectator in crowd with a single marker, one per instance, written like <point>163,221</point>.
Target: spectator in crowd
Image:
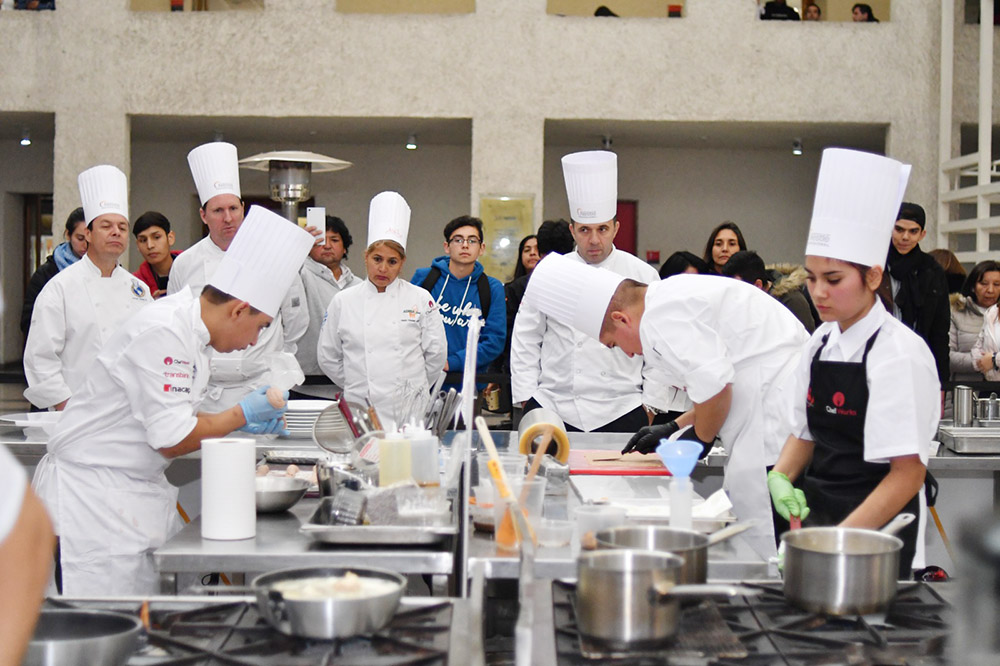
<point>813,12</point>
<point>974,332</point>
<point>953,269</point>
<point>154,239</point>
<point>84,305</point>
<point>786,287</point>
<point>324,274</point>
<point>862,13</point>
<point>724,241</point>
<point>459,285</point>
<point>778,10</point>
<point>683,261</point>
<point>35,4</point>
<point>916,287</point>
<point>66,253</point>
<point>527,256</point>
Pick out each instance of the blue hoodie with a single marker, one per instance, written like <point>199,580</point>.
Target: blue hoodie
<point>460,295</point>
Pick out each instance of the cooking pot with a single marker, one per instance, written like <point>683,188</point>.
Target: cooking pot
<point>330,617</point>
<point>842,570</point>
<point>690,546</point>
<point>629,598</point>
<point>72,637</point>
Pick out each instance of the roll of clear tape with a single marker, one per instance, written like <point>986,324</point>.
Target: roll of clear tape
<point>533,427</point>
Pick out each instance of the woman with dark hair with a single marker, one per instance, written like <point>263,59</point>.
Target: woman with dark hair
<point>65,254</point>
<point>527,256</point>
<point>683,261</point>
<point>862,13</point>
<point>953,269</point>
<point>980,293</point>
<point>724,241</point>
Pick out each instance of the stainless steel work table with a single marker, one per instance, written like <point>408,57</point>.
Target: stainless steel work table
<point>279,544</point>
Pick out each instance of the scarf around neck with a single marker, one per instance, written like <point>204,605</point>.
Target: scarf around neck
<point>63,255</point>
<point>903,268</point>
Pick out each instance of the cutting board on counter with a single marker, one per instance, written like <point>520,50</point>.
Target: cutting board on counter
<point>594,461</point>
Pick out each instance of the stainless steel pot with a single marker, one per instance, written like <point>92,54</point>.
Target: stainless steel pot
<point>690,546</point>
<point>70,637</point>
<point>330,617</point>
<point>842,570</point>
<point>630,597</point>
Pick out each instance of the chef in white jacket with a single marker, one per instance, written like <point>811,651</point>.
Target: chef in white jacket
<point>730,345</point>
<point>82,306</point>
<point>142,404</point>
<point>324,274</point>
<point>386,333</point>
<point>590,387</point>
<point>215,168</point>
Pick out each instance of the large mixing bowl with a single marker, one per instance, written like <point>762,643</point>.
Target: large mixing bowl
<point>279,493</point>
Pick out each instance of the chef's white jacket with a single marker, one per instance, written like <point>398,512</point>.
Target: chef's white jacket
<point>586,383</point>
<point>75,314</point>
<point>237,373</point>
<point>904,393</point>
<point>703,332</point>
<point>102,480</point>
<point>320,288</point>
<point>372,344</point>
<point>12,484</point>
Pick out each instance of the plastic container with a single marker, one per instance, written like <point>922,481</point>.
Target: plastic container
<point>394,458</point>
<point>424,463</point>
<point>596,517</point>
<point>554,533</point>
<point>531,503</point>
<point>514,464</point>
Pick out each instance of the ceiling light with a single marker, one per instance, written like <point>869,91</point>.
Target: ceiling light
<point>606,142</point>
<point>411,142</point>
<point>26,137</point>
<point>796,147</point>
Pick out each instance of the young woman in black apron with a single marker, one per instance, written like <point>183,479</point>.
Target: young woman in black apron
<point>878,383</point>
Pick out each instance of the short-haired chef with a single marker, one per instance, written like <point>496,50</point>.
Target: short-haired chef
<point>867,396</point>
<point>102,479</point>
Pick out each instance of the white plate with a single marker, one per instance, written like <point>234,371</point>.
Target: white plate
<point>32,419</point>
<point>309,405</point>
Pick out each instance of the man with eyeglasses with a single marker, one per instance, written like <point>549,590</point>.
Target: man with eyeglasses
<point>461,288</point>
<point>591,387</point>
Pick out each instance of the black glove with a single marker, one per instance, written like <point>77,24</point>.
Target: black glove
<point>648,437</point>
<point>691,435</point>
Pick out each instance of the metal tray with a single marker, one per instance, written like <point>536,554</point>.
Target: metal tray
<point>319,528</point>
<point>983,440</point>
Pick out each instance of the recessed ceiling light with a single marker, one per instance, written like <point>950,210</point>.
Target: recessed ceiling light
<point>26,137</point>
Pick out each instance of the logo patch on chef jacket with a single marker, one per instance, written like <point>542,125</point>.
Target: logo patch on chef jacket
<point>169,360</point>
<point>411,314</point>
<point>170,388</point>
<point>138,288</point>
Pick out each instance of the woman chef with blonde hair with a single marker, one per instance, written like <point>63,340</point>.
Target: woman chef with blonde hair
<point>867,396</point>
<point>386,332</point>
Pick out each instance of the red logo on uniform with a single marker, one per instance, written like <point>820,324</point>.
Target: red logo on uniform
<point>838,399</point>
<point>166,388</point>
<point>809,395</point>
<point>168,361</point>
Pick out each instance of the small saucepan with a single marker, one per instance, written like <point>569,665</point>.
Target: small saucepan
<point>843,570</point>
<point>328,602</point>
<point>71,637</point>
<point>630,598</point>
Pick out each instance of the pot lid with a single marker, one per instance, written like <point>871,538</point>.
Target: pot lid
<point>320,163</point>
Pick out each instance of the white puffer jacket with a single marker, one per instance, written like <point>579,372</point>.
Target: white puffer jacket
<point>988,341</point>
<point>966,324</point>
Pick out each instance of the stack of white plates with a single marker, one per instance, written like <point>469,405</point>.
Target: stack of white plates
<point>302,414</point>
<point>34,424</point>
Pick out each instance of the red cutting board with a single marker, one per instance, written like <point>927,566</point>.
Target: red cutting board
<point>590,461</point>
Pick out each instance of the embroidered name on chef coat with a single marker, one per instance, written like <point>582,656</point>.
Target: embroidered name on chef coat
<point>411,315</point>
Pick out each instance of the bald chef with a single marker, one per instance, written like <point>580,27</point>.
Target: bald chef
<point>590,387</point>
<point>215,168</point>
<point>141,405</point>
<point>733,347</point>
<point>82,306</point>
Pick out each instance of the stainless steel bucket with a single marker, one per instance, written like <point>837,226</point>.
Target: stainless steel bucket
<point>963,406</point>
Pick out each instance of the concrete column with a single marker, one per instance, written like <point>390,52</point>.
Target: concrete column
<point>507,154</point>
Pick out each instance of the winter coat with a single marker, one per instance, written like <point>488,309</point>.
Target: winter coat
<point>788,285</point>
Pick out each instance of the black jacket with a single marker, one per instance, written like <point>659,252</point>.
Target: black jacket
<point>932,314</point>
<point>45,272</point>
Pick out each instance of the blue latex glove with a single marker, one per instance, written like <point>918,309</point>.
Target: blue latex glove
<point>257,409</point>
<point>272,427</point>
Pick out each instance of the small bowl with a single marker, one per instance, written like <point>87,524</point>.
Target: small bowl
<point>554,533</point>
<point>279,493</point>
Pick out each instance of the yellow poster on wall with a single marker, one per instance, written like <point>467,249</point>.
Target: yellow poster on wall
<point>506,220</point>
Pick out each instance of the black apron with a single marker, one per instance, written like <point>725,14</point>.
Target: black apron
<point>838,478</point>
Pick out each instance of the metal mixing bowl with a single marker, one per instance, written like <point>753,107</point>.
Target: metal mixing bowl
<point>279,493</point>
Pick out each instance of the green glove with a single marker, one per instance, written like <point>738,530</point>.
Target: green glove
<point>788,500</point>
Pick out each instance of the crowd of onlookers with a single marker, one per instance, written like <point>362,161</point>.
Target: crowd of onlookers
<point>779,10</point>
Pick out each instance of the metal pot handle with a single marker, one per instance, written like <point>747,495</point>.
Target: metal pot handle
<point>276,604</point>
<point>666,592</point>
<point>898,523</point>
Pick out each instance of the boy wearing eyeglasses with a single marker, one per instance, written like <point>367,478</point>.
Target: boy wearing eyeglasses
<point>462,289</point>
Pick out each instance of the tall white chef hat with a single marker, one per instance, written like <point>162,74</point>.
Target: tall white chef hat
<point>388,218</point>
<point>571,292</point>
<point>216,170</point>
<point>263,260</point>
<point>591,185</point>
<point>103,190</point>
<point>857,198</point>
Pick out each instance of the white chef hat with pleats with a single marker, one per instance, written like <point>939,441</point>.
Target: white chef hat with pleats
<point>591,185</point>
<point>103,190</point>
<point>388,218</point>
<point>857,197</point>
<point>215,167</point>
<point>572,292</point>
<point>263,260</point>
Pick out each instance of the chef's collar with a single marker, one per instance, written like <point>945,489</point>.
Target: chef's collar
<point>849,342</point>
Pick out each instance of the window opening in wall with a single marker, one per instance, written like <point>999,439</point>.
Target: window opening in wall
<point>195,5</point>
<point>406,6</point>
<point>836,11</point>
<point>32,5</point>
<point>973,13</point>
<point>40,240</point>
<point>621,8</point>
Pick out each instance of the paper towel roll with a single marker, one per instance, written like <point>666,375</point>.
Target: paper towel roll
<point>228,506</point>
<point>534,424</point>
